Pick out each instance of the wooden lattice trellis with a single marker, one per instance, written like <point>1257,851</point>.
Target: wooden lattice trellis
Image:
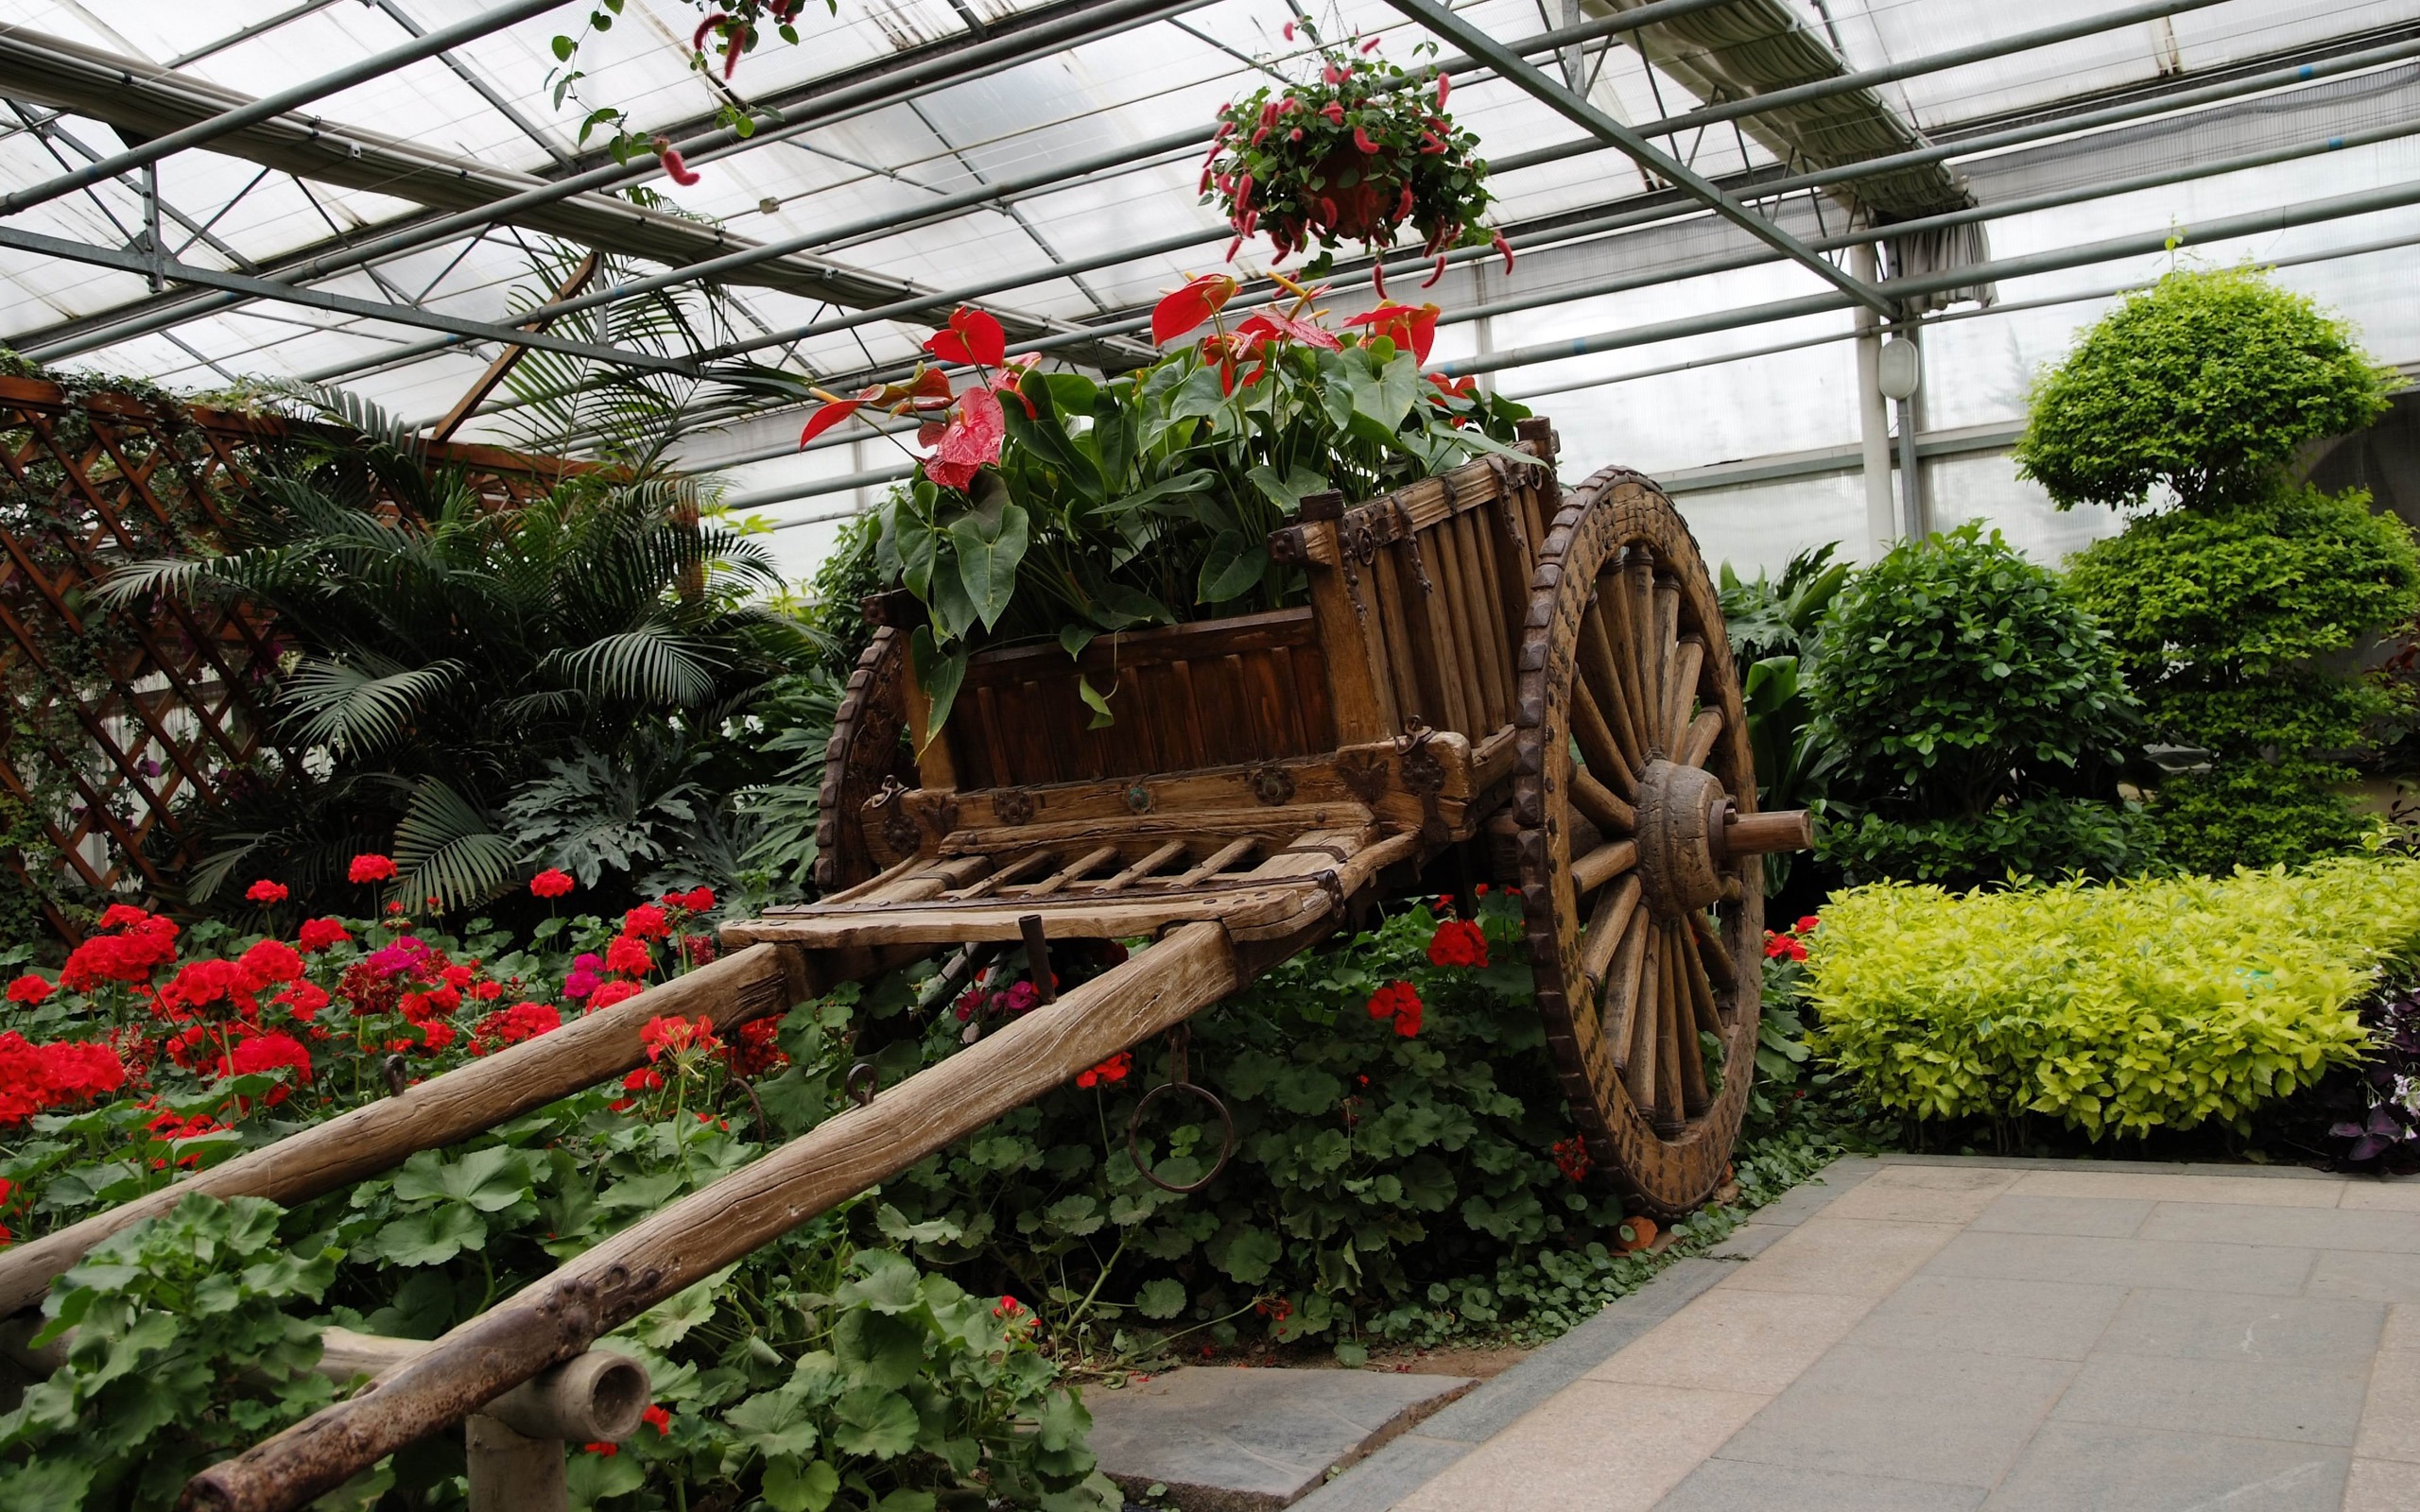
<point>124,726</point>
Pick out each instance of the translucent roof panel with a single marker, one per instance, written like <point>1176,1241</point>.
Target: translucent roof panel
<point>1099,148</point>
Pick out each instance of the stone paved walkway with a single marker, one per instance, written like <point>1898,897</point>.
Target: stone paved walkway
<point>1919,1335</point>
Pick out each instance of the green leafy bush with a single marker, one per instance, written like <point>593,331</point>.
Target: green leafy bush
<point>2117,1008</point>
<point>2204,384</point>
<point>2226,621</point>
<point>1775,628</point>
<point>1980,717</point>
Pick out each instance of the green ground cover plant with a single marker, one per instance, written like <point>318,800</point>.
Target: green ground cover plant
<point>1405,1176</point>
<point>1978,719</point>
<point>2116,1008</point>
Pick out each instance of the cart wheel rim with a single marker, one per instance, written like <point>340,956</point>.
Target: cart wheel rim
<point>1643,935</point>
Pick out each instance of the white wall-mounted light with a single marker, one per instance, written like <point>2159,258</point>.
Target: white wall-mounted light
<point>1902,367</point>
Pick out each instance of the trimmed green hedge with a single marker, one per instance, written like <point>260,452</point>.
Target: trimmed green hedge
<point>2116,1007</point>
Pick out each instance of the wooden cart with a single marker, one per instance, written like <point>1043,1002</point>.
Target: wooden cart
<point>1542,684</point>
<point>1538,686</point>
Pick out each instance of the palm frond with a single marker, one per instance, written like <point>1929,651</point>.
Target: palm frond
<point>447,850</point>
<point>357,709</point>
<point>649,664</point>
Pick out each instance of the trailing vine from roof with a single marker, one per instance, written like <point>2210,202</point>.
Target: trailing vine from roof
<point>728,31</point>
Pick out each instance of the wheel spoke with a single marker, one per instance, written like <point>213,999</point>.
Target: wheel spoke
<point>1611,816</point>
<point>1607,927</point>
<point>1681,690</point>
<point>1603,678</point>
<point>1621,988</point>
<point>1601,865</point>
<point>1698,743</point>
<point>1713,953</point>
<point>1639,578</point>
<point>1701,991</point>
<point>1671,1024</point>
<point>1682,1031</point>
<point>1645,1033</point>
<point>1599,742</point>
<point>1621,651</point>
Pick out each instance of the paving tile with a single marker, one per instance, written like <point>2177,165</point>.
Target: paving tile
<point>2098,1468</point>
<point>2390,1421</point>
<point>2382,1486</point>
<point>1597,1446</point>
<point>1844,1257</point>
<point>2273,1270</point>
<point>1729,1484</point>
<point>1981,1314</point>
<point>2247,1189</point>
<point>2103,1217</point>
<point>1400,1466</point>
<point>1747,1240</point>
<point>2234,1223</point>
<point>1923,1194</point>
<point>2306,1405</point>
<point>2392,1196</point>
<point>2402,1330</point>
<point>2370,1276</point>
<point>1736,1340</point>
<point>2328,1333</point>
<point>1906,1414</point>
<point>1813,1197</point>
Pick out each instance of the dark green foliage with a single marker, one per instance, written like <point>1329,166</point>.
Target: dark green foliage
<point>1981,716</point>
<point>1775,629</point>
<point>2227,621</point>
<point>492,689</point>
<point>2204,383</point>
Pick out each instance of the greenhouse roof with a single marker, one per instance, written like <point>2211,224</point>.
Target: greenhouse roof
<point>1043,157</point>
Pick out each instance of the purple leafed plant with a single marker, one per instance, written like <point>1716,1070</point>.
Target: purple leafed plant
<point>2386,1131</point>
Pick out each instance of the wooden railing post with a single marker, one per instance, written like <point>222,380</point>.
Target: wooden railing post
<point>1359,686</point>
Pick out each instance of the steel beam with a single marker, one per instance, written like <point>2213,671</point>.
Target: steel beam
<point>134,262</point>
<point>1516,70</point>
<point>200,132</point>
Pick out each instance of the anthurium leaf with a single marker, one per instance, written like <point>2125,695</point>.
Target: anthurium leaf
<point>1117,607</point>
<point>871,1420</point>
<point>1071,393</point>
<point>1191,482</point>
<point>990,545</point>
<point>1285,490</point>
<point>1198,397</point>
<point>1098,702</point>
<point>1235,563</point>
<point>940,676</point>
<point>1074,637</point>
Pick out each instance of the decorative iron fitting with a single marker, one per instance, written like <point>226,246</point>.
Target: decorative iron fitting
<point>1012,805</point>
<point>1271,784</point>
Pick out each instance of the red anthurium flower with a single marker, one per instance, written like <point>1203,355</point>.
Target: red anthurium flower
<point>832,414</point>
<point>1413,330</point>
<point>971,439</point>
<point>972,336</point>
<point>1274,326</point>
<point>1462,388</point>
<point>1183,311</point>
<point>1008,379</point>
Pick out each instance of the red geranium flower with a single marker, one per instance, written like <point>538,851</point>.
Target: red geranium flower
<point>272,961</point>
<point>1457,942</point>
<point>646,922</point>
<point>1112,1070</point>
<point>550,882</point>
<point>1400,1001</point>
<point>629,956</point>
<point>370,868</point>
<point>612,992</point>
<point>657,1418</point>
<point>319,934</point>
<point>1806,925</point>
<point>123,916</point>
<point>265,891</point>
<point>28,988</point>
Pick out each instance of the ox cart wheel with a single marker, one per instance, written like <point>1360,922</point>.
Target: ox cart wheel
<point>1636,795</point>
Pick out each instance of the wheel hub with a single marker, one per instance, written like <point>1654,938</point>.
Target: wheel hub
<point>1682,812</point>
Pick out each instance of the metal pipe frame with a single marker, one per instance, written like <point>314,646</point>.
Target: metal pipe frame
<point>2282,218</point>
<point>429,46</point>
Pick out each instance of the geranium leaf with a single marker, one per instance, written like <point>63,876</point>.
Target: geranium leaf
<point>871,1420</point>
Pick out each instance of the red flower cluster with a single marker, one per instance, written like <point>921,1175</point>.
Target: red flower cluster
<point>1457,942</point>
<point>370,869</point>
<point>1791,946</point>
<point>511,1026</point>
<point>265,892</point>
<point>34,1077</point>
<point>754,1049</point>
<point>964,428</point>
<point>145,944</point>
<point>1400,1001</point>
<point>696,900</point>
<point>551,884</point>
<point>1112,1070</point>
<point>676,1034</point>
<point>1571,1158</point>
<point>28,989</point>
<point>319,934</point>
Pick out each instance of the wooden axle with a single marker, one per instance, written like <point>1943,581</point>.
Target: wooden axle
<point>1764,835</point>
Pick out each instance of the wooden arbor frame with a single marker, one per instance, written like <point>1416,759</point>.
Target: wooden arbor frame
<point>126,722</point>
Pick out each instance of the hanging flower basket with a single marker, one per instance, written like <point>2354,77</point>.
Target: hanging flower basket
<point>1366,154</point>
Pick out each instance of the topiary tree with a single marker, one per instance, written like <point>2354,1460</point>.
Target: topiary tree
<point>2204,383</point>
<point>2234,609</point>
<point>1981,716</point>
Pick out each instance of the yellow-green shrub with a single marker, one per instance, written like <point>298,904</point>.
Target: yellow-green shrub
<point>2120,1006</point>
